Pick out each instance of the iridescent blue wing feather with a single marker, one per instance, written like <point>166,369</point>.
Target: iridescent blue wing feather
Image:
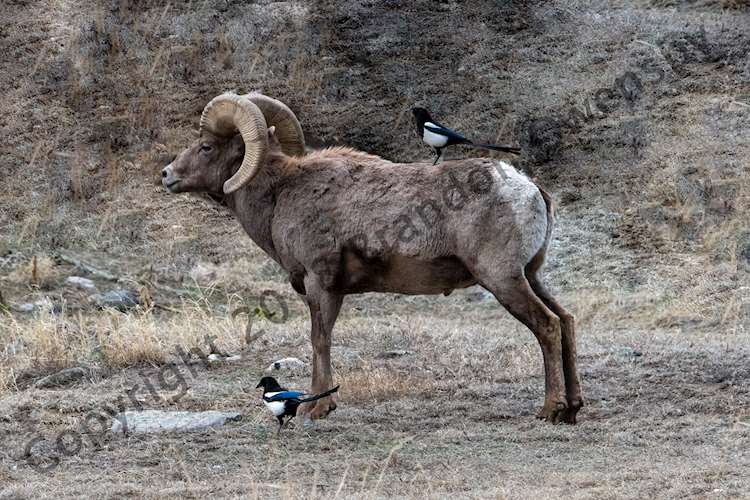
<point>284,396</point>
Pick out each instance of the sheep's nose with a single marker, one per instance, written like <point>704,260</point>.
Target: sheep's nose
<point>164,172</point>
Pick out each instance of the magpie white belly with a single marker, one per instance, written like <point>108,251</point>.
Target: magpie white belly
<point>276,407</point>
<point>433,139</point>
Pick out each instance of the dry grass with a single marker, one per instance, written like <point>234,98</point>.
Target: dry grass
<point>378,384</point>
<point>429,424</point>
<point>7,381</point>
<point>109,340</point>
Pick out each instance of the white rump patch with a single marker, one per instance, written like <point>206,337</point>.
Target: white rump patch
<point>431,138</point>
<point>508,171</point>
<point>527,205</point>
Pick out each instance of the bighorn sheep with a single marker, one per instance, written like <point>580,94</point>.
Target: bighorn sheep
<point>340,221</point>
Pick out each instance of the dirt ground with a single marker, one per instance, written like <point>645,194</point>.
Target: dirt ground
<point>666,416</point>
<point>635,115</point>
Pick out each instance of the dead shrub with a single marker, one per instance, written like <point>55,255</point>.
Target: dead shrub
<point>38,272</point>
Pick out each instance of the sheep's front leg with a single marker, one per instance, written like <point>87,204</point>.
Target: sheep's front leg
<point>324,309</point>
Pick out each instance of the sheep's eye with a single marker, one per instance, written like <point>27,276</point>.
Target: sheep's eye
<point>205,148</point>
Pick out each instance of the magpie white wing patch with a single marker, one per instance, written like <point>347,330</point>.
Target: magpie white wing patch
<point>431,138</point>
<point>276,407</point>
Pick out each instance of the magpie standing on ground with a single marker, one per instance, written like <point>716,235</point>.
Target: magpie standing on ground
<point>435,135</point>
<point>284,403</point>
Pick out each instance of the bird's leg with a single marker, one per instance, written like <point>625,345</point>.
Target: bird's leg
<point>280,418</point>
<point>324,309</point>
<point>438,151</point>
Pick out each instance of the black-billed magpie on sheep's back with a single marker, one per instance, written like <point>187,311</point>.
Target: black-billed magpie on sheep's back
<point>438,136</point>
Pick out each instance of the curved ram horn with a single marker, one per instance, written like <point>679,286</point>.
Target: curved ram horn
<point>228,114</point>
<point>288,130</point>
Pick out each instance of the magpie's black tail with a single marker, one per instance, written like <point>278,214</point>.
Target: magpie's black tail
<point>505,149</point>
<point>321,395</point>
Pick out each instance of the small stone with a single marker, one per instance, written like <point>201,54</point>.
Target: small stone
<point>24,308</point>
<point>119,299</point>
<point>219,358</point>
<point>151,421</point>
<point>40,305</point>
<point>62,377</point>
<point>479,295</point>
<point>82,283</point>
<point>286,364</point>
<point>203,275</point>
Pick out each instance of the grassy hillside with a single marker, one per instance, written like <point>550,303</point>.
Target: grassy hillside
<point>635,116</point>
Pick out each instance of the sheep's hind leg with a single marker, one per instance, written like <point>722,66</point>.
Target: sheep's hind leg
<point>567,329</point>
<point>516,295</point>
<point>324,309</point>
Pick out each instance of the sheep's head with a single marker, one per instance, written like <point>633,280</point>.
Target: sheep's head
<point>236,134</point>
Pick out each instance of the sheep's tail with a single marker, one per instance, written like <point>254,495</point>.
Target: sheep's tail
<point>538,259</point>
<point>550,210</point>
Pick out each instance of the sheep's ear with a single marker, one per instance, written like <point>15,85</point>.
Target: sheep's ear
<point>271,130</point>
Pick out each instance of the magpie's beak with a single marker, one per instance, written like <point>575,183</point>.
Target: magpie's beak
<point>259,385</point>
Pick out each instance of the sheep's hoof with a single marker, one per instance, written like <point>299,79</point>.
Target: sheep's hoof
<point>552,411</point>
<point>318,409</point>
<point>569,416</point>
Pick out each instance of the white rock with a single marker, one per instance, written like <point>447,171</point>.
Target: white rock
<point>202,274</point>
<point>286,364</point>
<point>24,308</point>
<point>82,283</point>
<point>119,299</point>
<point>43,305</point>
<point>151,421</point>
<point>220,357</point>
<point>479,294</point>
